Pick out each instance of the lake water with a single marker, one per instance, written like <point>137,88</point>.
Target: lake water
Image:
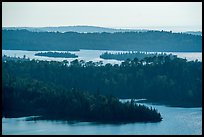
<point>91,55</point>
<point>176,121</point>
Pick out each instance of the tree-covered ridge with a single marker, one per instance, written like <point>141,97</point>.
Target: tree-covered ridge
<point>161,79</point>
<point>130,55</point>
<point>57,54</point>
<point>85,29</point>
<point>155,41</point>
<point>24,97</point>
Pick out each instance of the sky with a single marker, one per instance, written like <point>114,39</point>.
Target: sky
<point>142,15</point>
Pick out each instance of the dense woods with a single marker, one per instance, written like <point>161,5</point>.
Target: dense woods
<point>31,96</point>
<point>57,54</point>
<point>160,79</point>
<point>130,55</point>
<point>141,41</point>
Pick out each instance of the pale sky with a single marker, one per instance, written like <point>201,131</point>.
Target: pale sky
<point>104,14</point>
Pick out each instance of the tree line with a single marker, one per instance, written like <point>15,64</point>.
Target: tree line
<point>57,54</point>
<point>162,79</point>
<point>130,55</point>
<point>156,41</point>
<point>25,96</point>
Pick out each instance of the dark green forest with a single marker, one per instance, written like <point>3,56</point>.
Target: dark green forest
<point>159,79</point>
<point>31,96</point>
<point>158,41</point>
<point>131,55</point>
<point>57,54</point>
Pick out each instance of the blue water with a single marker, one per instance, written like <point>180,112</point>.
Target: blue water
<point>176,121</point>
<point>91,55</point>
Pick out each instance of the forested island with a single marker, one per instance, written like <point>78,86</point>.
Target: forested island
<point>25,96</point>
<point>130,55</point>
<point>57,54</point>
<point>160,79</point>
<point>150,41</point>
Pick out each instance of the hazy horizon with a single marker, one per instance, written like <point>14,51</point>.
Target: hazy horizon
<point>184,16</point>
<point>165,28</point>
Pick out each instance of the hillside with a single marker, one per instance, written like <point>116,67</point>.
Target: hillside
<point>142,41</point>
<point>159,79</point>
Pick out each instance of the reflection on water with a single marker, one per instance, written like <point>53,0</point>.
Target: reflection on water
<point>176,121</point>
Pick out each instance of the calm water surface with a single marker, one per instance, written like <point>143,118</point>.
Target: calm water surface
<point>92,55</point>
<point>176,121</point>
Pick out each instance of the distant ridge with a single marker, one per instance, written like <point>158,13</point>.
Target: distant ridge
<point>194,32</point>
<point>78,28</point>
<point>86,29</point>
<point>152,41</point>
